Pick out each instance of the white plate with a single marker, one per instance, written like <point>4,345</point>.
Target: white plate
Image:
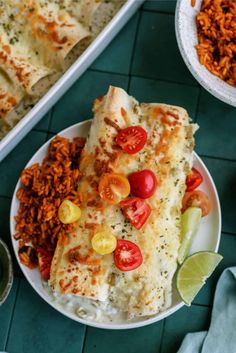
<point>208,236</point>
<point>186,34</point>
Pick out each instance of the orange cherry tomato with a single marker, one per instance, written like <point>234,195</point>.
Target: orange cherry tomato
<point>193,180</point>
<point>113,188</point>
<point>197,198</point>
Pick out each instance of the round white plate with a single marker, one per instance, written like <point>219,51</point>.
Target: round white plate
<point>208,237</point>
<point>186,34</point>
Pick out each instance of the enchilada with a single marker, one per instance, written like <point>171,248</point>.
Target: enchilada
<point>79,270</point>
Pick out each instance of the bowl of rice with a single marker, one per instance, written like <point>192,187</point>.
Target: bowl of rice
<point>206,36</point>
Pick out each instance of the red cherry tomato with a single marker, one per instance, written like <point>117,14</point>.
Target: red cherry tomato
<point>193,180</point>
<point>45,260</point>
<point>132,139</point>
<point>197,198</point>
<point>143,184</point>
<point>136,211</point>
<point>127,255</point>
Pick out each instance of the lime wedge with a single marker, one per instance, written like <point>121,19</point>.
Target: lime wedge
<point>193,273</point>
<point>190,222</point>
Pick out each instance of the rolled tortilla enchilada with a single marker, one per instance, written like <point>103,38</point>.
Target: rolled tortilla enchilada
<point>76,268</point>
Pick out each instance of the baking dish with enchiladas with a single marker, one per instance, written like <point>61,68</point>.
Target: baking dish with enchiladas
<point>110,258</point>
<point>44,48</point>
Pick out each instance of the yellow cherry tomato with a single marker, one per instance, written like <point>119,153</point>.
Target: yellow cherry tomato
<point>104,243</point>
<point>113,187</point>
<point>68,212</point>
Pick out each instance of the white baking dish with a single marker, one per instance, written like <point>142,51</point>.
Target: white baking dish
<point>69,77</point>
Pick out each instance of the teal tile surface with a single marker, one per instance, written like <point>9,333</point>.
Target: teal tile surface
<point>37,327</point>
<point>167,6</point>
<point>217,121</point>
<point>6,311</point>
<point>145,59</point>
<point>187,319</point>
<point>15,162</point>
<point>76,104</point>
<point>156,52</point>
<point>43,125</point>
<point>224,175</point>
<point>146,339</point>
<point>146,90</point>
<point>117,56</point>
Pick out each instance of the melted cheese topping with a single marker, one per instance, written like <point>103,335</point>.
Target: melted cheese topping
<point>146,290</point>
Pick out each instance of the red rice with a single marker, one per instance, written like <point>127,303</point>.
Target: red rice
<point>216,25</point>
<point>44,188</point>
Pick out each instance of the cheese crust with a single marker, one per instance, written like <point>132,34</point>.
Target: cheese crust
<point>76,268</point>
<point>39,40</point>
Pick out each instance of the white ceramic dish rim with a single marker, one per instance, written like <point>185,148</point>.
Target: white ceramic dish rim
<point>201,73</point>
<point>112,326</point>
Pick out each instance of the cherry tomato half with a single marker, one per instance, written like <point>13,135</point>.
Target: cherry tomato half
<point>132,139</point>
<point>45,260</point>
<point>143,184</point>
<point>136,211</point>
<point>113,187</point>
<point>127,256</point>
<point>68,212</point>
<point>104,242</point>
<point>193,180</point>
<point>197,198</point>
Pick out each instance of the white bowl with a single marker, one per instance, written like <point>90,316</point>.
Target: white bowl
<point>207,238</point>
<point>186,34</point>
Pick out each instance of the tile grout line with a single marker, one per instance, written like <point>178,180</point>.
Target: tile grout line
<point>162,336</point>
<point>40,130</point>
<point>202,305</point>
<point>217,158</point>
<point>228,233</point>
<point>50,122</point>
<point>146,78</point>
<point>158,11</point>
<point>106,72</point>
<point>5,197</point>
<point>197,107</point>
<point>12,314</point>
<point>84,340</point>
<point>133,49</point>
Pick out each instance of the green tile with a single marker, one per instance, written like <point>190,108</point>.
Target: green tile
<point>187,319</point>
<point>227,243</point>
<point>146,339</point>
<point>44,122</point>
<point>76,104</point>
<point>5,205</point>
<point>116,57</point>
<point>224,173</point>
<point>156,51</point>
<point>37,327</point>
<point>15,162</point>
<point>217,121</point>
<point>6,311</point>
<point>147,90</point>
<point>167,6</point>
